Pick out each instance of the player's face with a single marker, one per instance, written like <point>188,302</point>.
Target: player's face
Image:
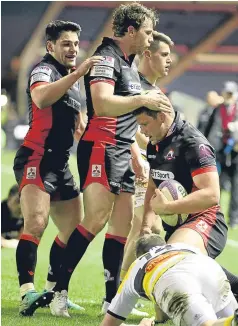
<point>160,61</point>
<point>150,127</point>
<point>66,48</point>
<point>143,37</point>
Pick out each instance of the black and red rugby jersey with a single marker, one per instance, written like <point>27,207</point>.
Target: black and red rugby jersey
<point>121,72</point>
<point>52,128</point>
<point>180,156</point>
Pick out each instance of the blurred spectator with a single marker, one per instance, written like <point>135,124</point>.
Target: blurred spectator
<point>213,100</point>
<point>222,133</point>
<point>11,219</point>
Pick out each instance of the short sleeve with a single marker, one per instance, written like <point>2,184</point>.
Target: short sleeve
<point>200,156</point>
<point>41,74</point>
<point>125,299</point>
<point>107,70</point>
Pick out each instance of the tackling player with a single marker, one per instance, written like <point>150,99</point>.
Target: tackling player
<point>202,297</point>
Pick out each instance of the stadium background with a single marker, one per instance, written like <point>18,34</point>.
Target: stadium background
<point>205,56</point>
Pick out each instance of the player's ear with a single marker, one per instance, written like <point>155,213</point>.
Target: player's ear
<point>49,46</point>
<point>131,31</point>
<point>147,54</point>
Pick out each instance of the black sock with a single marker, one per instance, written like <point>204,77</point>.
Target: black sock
<point>76,247</point>
<point>113,250</point>
<point>233,279</point>
<point>56,257</point>
<point>26,257</point>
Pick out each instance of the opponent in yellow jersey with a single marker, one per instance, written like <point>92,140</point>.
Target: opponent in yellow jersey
<point>187,286</point>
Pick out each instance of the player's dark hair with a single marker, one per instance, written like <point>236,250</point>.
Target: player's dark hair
<point>132,14</point>
<point>157,38</point>
<point>148,241</point>
<point>147,111</point>
<point>55,28</point>
<point>13,191</point>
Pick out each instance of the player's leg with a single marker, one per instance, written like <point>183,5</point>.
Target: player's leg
<point>129,251</point>
<point>118,228</point>
<point>98,203</point>
<point>35,205</point>
<point>66,213</point>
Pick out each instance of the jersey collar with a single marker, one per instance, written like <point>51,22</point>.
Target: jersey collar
<point>176,125</point>
<point>48,58</point>
<point>111,42</point>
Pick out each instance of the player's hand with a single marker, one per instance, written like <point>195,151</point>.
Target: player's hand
<point>157,101</point>
<point>87,64</point>
<point>159,203</point>
<point>139,167</point>
<point>147,321</point>
<point>145,230</point>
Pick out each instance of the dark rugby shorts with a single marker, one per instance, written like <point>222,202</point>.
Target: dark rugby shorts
<point>211,225</point>
<point>45,171</point>
<point>109,165</point>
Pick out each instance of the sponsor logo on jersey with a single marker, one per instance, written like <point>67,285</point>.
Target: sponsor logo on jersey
<point>134,87</point>
<point>202,226</point>
<point>151,156</point>
<point>170,155</point>
<point>101,71</point>
<point>205,154</point>
<point>42,69</point>
<point>107,61</point>
<point>73,103</point>
<point>40,77</point>
<point>161,175</point>
<point>31,172</point>
<point>96,171</point>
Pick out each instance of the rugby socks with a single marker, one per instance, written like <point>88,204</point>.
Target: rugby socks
<point>112,255</point>
<point>56,257</point>
<point>76,247</point>
<point>233,279</point>
<point>26,257</point>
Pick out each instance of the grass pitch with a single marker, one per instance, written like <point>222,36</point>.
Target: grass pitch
<point>87,283</point>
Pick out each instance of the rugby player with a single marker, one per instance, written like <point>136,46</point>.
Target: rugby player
<point>153,65</point>
<point>202,297</point>
<point>106,178</point>
<point>41,168</point>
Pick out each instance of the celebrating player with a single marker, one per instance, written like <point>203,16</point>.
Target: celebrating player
<point>41,166</point>
<point>107,180</point>
<point>154,64</point>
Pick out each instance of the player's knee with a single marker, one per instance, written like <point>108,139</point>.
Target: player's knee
<point>35,225</point>
<point>94,226</point>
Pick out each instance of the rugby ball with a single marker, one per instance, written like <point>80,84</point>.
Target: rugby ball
<point>173,190</point>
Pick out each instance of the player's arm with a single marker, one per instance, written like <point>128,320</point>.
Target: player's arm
<point>138,162</point>
<point>80,127</point>
<point>44,93</point>
<point>149,216</point>
<point>107,104</point>
<point>201,161</point>
<point>207,195</point>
